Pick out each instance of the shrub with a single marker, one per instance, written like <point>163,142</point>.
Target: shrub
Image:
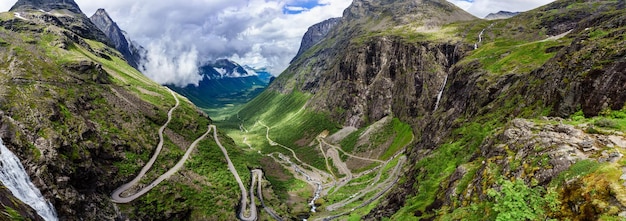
<point>517,201</point>
<point>606,123</point>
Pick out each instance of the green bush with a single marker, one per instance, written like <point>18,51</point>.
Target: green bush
<point>517,201</point>
<point>606,123</point>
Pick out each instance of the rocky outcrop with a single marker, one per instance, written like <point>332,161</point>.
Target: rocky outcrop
<point>381,75</point>
<point>500,15</point>
<point>14,209</point>
<point>132,52</point>
<point>538,153</point>
<point>46,5</point>
<point>75,21</point>
<point>315,34</point>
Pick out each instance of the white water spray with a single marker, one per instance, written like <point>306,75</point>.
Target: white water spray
<point>480,39</point>
<point>443,87</point>
<point>15,178</point>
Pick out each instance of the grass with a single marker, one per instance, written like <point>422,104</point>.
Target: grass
<point>290,124</point>
<point>502,57</point>
<point>608,120</point>
<point>82,117</point>
<point>436,171</point>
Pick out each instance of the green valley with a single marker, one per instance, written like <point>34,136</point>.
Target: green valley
<point>399,110</point>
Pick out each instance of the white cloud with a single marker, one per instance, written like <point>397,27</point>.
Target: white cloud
<point>295,8</point>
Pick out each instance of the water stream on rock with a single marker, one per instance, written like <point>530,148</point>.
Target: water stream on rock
<point>443,87</point>
<point>15,178</point>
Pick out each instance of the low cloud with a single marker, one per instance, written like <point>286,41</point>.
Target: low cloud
<point>166,57</point>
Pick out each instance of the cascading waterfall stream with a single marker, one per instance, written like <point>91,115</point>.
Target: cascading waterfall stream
<point>15,178</point>
<point>480,39</point>
<point>443,87</point>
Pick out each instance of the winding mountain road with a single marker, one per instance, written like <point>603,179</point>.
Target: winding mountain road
<point>257,176</point>
<point>116,196</point>
<point>245,214</point>
<point>293,153</point>
<point>253,213</point>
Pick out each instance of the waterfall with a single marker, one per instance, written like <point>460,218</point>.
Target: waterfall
<point>480,39</point>
<point>440,93</point>
<point>15,178</point>
<point>480,36</point>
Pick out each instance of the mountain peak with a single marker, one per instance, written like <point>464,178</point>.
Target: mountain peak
<point>407,11</point>
<point>46,5</point>
<point>132,52</point>
<point>101,12</point>
<point>501,15</point>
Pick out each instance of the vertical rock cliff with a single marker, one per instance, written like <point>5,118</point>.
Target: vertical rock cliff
<point>315,34</point>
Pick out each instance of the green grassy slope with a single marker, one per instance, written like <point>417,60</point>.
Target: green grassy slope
<point>100,117</point>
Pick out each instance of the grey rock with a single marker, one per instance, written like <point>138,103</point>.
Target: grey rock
<point>132,52</point>
<point>47,5</point>
<point>315,34</point>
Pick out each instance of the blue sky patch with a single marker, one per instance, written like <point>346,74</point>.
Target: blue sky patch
<point>300,6</point>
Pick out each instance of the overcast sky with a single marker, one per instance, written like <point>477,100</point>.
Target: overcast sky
<point>259,33</point>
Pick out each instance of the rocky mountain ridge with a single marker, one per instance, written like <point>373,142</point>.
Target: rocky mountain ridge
<point>132,52</point>
<point>64,13</point>
<point>315,34</point>
<point>46,5</point>
<point>501,15</point>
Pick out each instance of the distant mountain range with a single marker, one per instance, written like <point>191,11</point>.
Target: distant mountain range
<point>225,82</point>
<point>501,15</point>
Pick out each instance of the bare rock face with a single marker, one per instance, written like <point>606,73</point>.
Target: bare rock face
<point>315,34</point>
<point>72,18</point>
<point>131,52</point>
<point>47,5</point>
<point>380,75</point>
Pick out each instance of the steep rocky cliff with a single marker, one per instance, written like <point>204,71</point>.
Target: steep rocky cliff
<point>315,34</point>
<point>457,81</point>
<point>373,61</point>
<point>132,52</point>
